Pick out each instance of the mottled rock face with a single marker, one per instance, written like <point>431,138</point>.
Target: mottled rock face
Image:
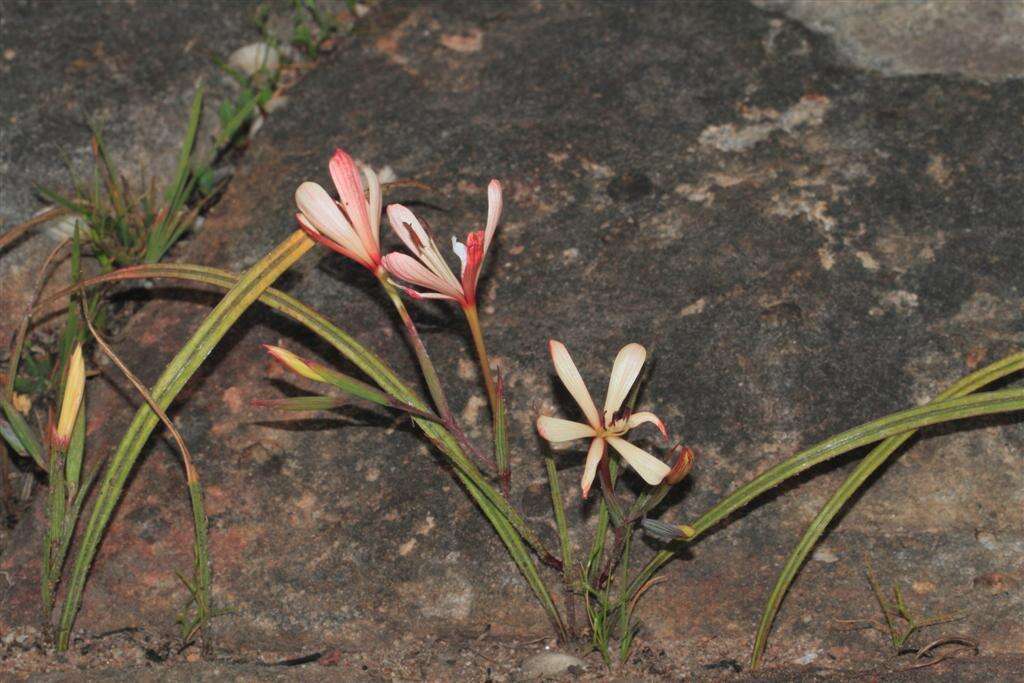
<point>978,40</point>
<point>130,69</point>
<point>803,247</point>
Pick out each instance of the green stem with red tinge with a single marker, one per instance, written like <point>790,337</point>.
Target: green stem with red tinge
<point>494,396</point>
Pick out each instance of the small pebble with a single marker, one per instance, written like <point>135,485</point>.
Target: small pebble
<point>255,56</point>
<point>547,664</point>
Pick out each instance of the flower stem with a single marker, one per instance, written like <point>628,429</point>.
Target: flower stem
<point>430,373</point>
<point>481,353</point>
<point>418,348</point>
<point>501,447</point>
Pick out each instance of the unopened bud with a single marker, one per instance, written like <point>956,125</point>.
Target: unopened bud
<point>682,467</point>
<point>74,390</point>
<point>293,362</point>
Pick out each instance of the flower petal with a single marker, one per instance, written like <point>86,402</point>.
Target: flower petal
<point>494,206</point>
<point>407,268</point>
<point>624,372</point>
<point>594,456</point>
<point>373,188</point>
<point>350,191</point>
<point>570,377</point>
<point>460,250</point>
<point>650,469</point>
<point>323,215</point>
<point>637,419</point>
<point>556,430</point>
<point>471,267</point>
<point>326,241</point>
<point>409,228</point>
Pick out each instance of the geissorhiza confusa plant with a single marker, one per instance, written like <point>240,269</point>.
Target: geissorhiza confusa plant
<point>350,227</point>
<point>602,577</point>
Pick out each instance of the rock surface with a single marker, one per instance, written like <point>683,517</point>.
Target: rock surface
<point>130,68</point>
<point>979,40</point>
<point>804,246</point>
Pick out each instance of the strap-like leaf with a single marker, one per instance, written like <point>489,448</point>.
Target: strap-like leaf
<point>247,289</point>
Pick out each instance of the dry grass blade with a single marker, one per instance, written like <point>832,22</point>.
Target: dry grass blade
<point>18,230</point>
<point>186,456</point>
<point>19,338</point>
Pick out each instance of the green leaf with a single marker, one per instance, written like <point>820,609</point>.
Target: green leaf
<point>20,429</point>
<point>55,505</point>
<point>501,450</point>
<point>202,577</point>
<point>892,425</point>
<point>73,459</point>
<point>864,469</point>
<point>507,522</point>
<point>558,505</point>
<point>162,236</point>
<point>247,289</point>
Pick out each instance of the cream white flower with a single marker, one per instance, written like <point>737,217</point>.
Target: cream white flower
<point>609,426</point>
<point>352,226</point>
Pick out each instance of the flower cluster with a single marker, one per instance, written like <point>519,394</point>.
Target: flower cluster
<point>351,226</point>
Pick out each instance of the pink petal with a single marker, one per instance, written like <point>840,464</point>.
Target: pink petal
<point>407,268</point>
<point>350,191</point>
<point>494,206</point>
<point>320,213</point>
<point>373,187</point>
<point>594,455</point>
<point>471,269</point>
<point>408,228</point>
<point>558,430</point>
<point>637,419</point>
<point>624,372</point>
<point>421,244</point>
<point>650,469</point>
<point>322,239</point>
<point>570,377</point>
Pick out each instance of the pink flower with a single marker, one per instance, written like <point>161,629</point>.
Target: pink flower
<point>428,269</point>
<point>609,426</point>
<point>350,227</point>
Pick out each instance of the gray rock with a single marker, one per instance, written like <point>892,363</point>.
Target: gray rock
<point>980,40</point>
<point>132,68</point>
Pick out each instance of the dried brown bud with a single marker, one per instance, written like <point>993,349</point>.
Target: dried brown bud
<point>681,468</point>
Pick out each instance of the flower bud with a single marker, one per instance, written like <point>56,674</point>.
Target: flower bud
<point>293,362</point>
<point>74,390</point>
<point>684,462</point>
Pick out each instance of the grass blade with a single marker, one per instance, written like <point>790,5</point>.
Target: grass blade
<point>200,586</point>
<point>501,454</point>
<point>941,411</point>
<point>558,505</point>
<point>55,504</point>
<point>247,289</point>
<point>161,239</point>
<point>891,425</point>
<point>864,469</point>
<point>358,355</point>
<point>26,440</point>
<point>509,525</point>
